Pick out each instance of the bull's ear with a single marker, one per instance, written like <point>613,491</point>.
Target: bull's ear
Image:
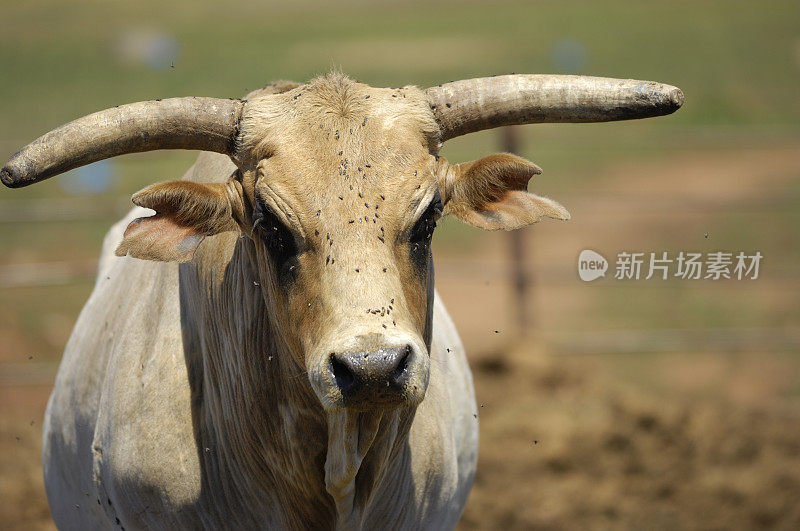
<point>186,212</point>
<point>492,193</point>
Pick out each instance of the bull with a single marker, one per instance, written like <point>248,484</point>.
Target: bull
<point>264,347</point>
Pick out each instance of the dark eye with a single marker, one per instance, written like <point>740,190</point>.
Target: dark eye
<point>279,241</point>
<point>422,231</point>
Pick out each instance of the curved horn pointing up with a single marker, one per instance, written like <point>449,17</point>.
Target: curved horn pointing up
<point>208,124</point>
<point>471,105</point>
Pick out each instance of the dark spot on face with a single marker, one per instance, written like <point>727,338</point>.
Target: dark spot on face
<point>278,240</point>
<point>316,232</point>
<point>419,237</point>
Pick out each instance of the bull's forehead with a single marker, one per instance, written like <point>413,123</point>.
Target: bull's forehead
<point>342,151</point>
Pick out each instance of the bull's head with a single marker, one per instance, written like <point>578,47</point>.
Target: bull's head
<point>339,187</point>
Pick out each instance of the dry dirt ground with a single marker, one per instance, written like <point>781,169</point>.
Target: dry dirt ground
<point>566,441</point>
<point>561,448</point>
<point>576,452</point>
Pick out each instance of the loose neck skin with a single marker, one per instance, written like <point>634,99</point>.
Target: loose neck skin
<point>268,450</point>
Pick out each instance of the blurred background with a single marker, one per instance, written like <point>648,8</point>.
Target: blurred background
<point>649,404</point>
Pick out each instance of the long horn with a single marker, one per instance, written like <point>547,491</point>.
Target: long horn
<point>208,124</point>
<point>471,105</point>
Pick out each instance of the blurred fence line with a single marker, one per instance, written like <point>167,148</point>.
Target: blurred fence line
<point>648,203</point>
<point>649,341</point>
<point>46,273</point>
<point>64,209</point>
<point>463,270</point>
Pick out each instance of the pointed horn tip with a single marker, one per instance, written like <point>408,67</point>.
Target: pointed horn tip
<point>8,178</point>
<point>676,96</point>
<point>672,99</point>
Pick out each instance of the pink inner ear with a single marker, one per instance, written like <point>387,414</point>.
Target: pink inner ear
<point>514,210</point>
<point>160,238</point>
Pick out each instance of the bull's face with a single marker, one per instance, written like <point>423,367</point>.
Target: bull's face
<point>338,187</point>
<point>343,208</point>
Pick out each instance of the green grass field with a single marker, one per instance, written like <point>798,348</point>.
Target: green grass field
<point>737,62</point>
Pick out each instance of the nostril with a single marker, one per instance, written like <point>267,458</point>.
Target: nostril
<point>341,374</point>
<point>401,370</point>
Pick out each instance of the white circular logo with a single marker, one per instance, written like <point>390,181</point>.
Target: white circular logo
<point>591,265</point>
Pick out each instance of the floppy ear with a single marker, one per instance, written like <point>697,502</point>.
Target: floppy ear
<point>186,212</point>
<point>491,193</point>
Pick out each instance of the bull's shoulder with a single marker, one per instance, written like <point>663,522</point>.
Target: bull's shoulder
<point>443,442</point>
<point>122,364</point>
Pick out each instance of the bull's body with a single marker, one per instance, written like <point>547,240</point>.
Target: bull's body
<point>126,440</point>
<point>296,370</point>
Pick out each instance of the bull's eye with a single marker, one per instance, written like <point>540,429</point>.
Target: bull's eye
<point>422,231</point>
<point>279,241</point>
<point>419,238</point>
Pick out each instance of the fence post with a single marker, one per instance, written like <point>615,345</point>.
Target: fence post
<point>521,282</point>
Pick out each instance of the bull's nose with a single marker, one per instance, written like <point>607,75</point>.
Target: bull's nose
<point>374,377</point>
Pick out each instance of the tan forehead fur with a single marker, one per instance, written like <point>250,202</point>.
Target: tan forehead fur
<point>306,113</point>
<point>351,151</point>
